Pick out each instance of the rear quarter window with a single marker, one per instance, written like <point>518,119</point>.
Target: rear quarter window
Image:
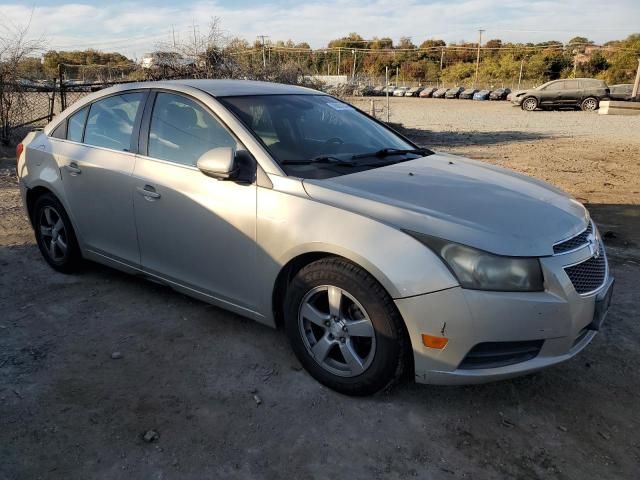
<point>75,125</point>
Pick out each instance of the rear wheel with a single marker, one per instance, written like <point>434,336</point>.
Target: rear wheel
<point>530,104</point>
<point>589,104</point>
<point>54,234</point>
<point>344,327</point>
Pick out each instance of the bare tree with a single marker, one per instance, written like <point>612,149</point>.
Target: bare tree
<point>15,46</point>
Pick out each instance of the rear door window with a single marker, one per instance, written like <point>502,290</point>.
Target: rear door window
<point>571,84</point>
<point>75,125</point>
<point>556,86</point>
<point>110,121</point>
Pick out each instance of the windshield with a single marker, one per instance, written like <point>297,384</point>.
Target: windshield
<point>318,136</point>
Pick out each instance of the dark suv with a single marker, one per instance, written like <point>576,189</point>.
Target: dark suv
<point>584,93</point>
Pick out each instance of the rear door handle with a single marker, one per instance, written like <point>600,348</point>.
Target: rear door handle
<point>73,169</point>
<point>149,192</point>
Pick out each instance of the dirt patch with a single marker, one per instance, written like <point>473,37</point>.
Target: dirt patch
<point>191,373</point>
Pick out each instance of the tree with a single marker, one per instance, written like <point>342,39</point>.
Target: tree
<point>15,47</point>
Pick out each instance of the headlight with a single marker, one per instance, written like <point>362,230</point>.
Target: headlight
<point>480,270</point>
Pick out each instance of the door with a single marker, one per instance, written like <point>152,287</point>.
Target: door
<point>550,95</point>
<point>571,94</point>
<point>193,230</point>
<point>97,163</point>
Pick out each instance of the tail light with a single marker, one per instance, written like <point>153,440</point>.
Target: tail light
<point>19,150</point>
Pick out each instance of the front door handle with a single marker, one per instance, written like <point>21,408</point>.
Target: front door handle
<point>73,169</point>
<point>149,192</point>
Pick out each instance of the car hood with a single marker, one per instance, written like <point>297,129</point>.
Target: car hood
<point>461,200</point>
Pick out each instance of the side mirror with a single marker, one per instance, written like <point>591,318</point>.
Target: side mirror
<point>219,163</point>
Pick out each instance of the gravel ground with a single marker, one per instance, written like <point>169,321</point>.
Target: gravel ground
<point>104,375</point>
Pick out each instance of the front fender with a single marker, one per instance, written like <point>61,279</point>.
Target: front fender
<point>291,224</point>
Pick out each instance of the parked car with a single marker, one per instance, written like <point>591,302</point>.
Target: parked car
<point>400,91</point>
<point>584,93</point>
<point>412,261</point>
<point>482,95</point>
<point>390,89</point>
<point>413,92</point>
<point>428,92</point>
<point>454,92</point>
<point>621,92</point>
<point>500,94</point>
<point>468,93</point>
<point>364,91</point>
<point>377,91</point>
<point>440,93</point>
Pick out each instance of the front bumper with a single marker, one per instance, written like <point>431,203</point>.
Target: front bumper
<point>559,317</point>
<point>517,100</point>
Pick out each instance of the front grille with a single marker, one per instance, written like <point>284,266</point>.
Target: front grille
<point>574,242</point>
<point>500,354</point>
<point>589,275</point>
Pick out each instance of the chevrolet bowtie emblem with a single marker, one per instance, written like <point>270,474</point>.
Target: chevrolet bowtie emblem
<point>594,245</point>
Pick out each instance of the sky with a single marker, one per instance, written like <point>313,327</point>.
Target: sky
<point>137,26</point>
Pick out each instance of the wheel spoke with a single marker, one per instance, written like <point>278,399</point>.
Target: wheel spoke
<point>321,349</point>
<point>61,245</point>
<point>52,249</point>
<point>58,226</point>
<point>45,231</point>
<point>335,299</point>
<point>360,328</point>
<point>47,216</point>
<point>313,315</point>
<point>351,357</point>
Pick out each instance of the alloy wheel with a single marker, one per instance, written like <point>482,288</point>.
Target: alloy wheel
<point>337,331</point>
<point>590,104</point>
<point>530,104</point>
<point>53,234</point>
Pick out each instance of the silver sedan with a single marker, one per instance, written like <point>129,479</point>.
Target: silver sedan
<point>293,208</point>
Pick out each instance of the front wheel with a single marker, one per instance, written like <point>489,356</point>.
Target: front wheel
<point>589,104</point>
<point>530,104</point>
<point>344,327</point>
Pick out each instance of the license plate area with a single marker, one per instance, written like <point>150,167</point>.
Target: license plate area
<point>603,301</point>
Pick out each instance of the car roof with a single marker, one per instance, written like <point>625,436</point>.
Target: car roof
<point>233,88</point>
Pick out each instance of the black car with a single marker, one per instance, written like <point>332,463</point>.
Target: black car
<point>621,92</point>
<point>583,93</point>
<point>440,93</point>
<point>468,93</point>
<point>499,94</point>
<point>454,92</point>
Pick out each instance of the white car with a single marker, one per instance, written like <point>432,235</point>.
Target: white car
<point>293,208</point>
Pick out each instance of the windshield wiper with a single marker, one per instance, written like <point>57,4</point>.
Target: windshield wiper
<point>386,152</point>
<point>320,159</point>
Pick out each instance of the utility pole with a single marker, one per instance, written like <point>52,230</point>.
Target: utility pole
<point>264,55</point>
<point>441,64</point>
<point>195,41</point>
<point>636,84</point>
<point>478,58</point>
<point>173,33</point>
<point>339,50</point>
<point>386,76</point>
<point>353,72</point>
<point>520,76</point>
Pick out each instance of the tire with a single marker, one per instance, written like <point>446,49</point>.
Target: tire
<point>55,235</point>
<point>529,104</point>
<point>589,104</point>
<point>368,328</point>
